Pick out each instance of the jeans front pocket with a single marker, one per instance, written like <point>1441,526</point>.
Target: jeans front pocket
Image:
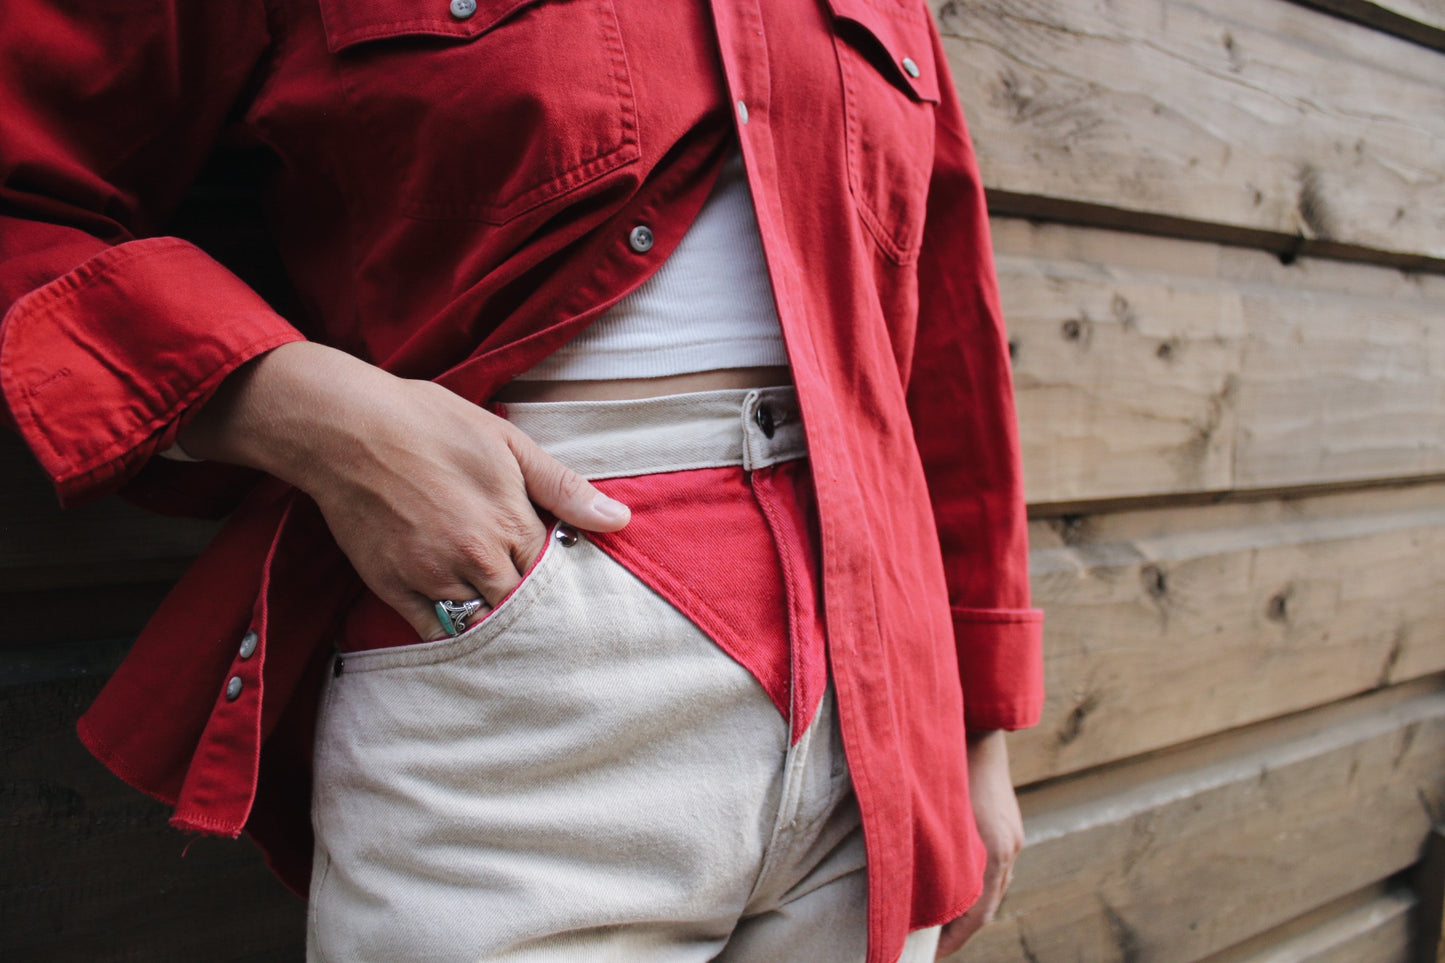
<point>485,626</point>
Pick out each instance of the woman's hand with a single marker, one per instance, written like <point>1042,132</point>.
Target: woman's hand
<point>430,497</point>
<point>996,812</point>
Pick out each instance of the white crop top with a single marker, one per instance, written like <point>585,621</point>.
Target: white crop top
<point>709,306</point>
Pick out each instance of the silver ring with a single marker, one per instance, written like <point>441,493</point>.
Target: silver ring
<point>453,615</point>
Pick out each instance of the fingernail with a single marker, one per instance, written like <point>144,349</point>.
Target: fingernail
<point>610,509</point>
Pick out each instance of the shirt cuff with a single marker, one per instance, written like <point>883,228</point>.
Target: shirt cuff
<point>1000,655</point>
<point>98,366</point>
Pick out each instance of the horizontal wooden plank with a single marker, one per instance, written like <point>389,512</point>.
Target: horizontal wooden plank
<point>1429,881</point>
<point>1177,857</point>
<point>1375,925</point>
<point>1171,624</point>
<point>1147,366</point>
<point>48,618</point>
<point>90,870</point>
<point>1422,21</point>
<point>107,542</point>
<point>1254,117</point>
<point>1424,11</point>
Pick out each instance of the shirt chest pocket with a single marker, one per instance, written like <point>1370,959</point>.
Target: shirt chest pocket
<point>890,88</point>
<point>484,109</point>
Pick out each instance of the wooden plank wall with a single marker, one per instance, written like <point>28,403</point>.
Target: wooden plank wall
<point>89,868</point>
<point>1220,229</point>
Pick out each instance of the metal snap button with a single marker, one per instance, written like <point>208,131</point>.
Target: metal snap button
<point>641,239</point>
<point>566,534</point>
<point>911,68</point>
<point>463,9</point>
<point>764,417</point>
<point>233,688</point>
<point>248,644</point>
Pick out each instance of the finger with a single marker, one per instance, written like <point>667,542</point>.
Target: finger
<point>565,493</point>
<point>528,543</point>
<point>992,896</point>
<point>417,601</point>
<point>959,932</point>
<point>420,614</point>
<point>494,581</point>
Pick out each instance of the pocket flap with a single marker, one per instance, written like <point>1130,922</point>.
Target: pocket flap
<point>902,41</point>
<point>350,22</point>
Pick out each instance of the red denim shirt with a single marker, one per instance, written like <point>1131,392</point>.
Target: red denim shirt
<point>454,197</point>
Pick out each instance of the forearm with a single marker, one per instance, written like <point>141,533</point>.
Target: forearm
<point>289,412</point>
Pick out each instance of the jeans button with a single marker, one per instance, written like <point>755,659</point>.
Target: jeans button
<point>566,535</point>
<point>764,418</point>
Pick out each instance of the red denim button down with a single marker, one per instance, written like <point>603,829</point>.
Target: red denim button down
<point>452,200</point>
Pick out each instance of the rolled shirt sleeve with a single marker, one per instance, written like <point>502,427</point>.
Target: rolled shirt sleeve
<point>110,334</point>
<point>98,366</point>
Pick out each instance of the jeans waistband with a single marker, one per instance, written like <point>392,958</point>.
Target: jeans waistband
<point>748,427</point>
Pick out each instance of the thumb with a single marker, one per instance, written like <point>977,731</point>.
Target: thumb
<point>565,493</point>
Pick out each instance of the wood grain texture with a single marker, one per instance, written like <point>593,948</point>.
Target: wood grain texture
<point>1421,21</point>
<point>1177,857</point>
<point>1429,880</point>
<point>1146,366</point>
<point>90,871</point>
<point>57,617</point>
<point>105,543</point>
<point>1376,926</point>
<point>1425,11</point>
<point>1252,117</point>
<point>1168,625</point>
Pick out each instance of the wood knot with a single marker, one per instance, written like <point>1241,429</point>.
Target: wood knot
<point>1277,610</point>
<point>1073,726</point>
<point>1073,529</point>
<point>1155,581</point>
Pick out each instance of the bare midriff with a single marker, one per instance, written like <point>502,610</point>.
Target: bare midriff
<point>619,389</point>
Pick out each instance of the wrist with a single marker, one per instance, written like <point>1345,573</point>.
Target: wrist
<point>281,412</point>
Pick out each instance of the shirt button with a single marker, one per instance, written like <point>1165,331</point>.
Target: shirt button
<point>742,112</point>
<point>233,688</point>
<point>248,644</point>
<point>641,239</point>
<point>908,65</point>
<point>764,418</point>
<point>463,9</point>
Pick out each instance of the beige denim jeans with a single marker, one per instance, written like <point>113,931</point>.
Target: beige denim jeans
<point>584,775</point>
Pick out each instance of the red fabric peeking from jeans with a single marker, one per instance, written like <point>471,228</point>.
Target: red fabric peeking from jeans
<point>735,551</point>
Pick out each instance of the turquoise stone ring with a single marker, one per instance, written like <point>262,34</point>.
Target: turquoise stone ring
<point>453,615</point>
